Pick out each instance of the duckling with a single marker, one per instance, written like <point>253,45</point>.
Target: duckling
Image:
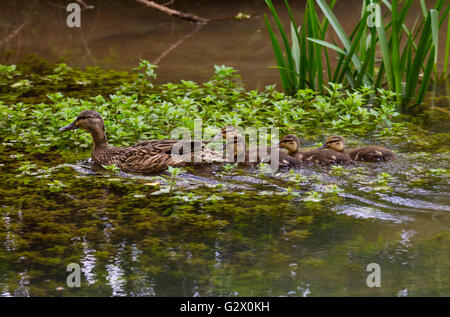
<point>146,156</point>
<point>319,156</point>
<point>259,154</point>
<point>372,153</point>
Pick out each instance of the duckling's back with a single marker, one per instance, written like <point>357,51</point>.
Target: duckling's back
<point>372,153</point>
<point>324,157</point>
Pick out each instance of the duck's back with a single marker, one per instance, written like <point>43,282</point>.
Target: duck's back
<point>137,159</point>
<point>263,154</point>
<point>284,160</point>
<point>372,153</point>
<point>323,156</point>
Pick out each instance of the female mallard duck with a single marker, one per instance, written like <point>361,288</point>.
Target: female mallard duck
<point>245,156</point>
<point>146,156</point>
<point>372,153</point>
<point>318,156</point>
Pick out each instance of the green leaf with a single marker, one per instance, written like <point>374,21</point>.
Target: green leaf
<point>329,45</point>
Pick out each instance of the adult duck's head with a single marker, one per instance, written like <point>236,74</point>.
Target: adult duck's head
<point>289,142</point>
<point>335,142</point>
<point>89,120</point>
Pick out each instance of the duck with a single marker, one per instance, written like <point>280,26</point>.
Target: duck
<point>317,156</point>
<point>145,156</point>
<point>251,156</point>
<point>371,153</point>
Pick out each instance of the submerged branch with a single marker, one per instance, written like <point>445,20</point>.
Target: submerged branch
<point>179,14</point>
<point>174,46</point>
<point>14,33</point>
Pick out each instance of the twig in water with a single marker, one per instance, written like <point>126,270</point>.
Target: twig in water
<point>85,6</point>
<point>181,15</point>
<point>17,31</point>
<point>174,46</point>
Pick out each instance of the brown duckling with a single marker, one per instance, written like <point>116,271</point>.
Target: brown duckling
<point>153,156</point>
<point>261,154</point>
<point>372,153</point>
<point>318,156</point>
<point>237,151</point>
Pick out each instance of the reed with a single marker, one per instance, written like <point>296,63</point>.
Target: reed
<point>380,52</point>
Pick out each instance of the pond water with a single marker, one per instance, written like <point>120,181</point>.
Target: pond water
<point>116,33</point>
<point>222,232</point>
<point>239,232</point>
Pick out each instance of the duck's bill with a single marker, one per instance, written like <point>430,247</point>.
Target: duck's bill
<point>71,126</point>
<point>323,147</point>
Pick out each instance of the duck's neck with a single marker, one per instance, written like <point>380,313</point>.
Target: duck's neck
<point>99,139</point>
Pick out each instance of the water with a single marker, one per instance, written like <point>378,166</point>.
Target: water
<point>115,34</point>
<point>237,233</point>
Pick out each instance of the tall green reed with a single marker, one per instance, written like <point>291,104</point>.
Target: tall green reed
<point>380,52</point>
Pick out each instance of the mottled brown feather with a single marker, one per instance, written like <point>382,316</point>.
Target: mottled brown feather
<point>316,156</point>
<point>145,156</point>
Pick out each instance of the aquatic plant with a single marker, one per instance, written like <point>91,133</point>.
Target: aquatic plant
<point>232,232</point>
<point>133,113</point>
<point>407,54</point>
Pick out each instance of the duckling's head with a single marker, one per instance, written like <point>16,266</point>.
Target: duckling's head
<point>335,142</point>
<point>89,120</point>
<point>237,145</point>
<point>229,132</point>
<point>226,133</point>
<point>289,142</point>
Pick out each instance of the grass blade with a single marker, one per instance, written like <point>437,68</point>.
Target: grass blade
<point>295,48</point>
<point>341,34</point>
<point>447,49</point>
<point>395,38</point>
<point>435,32</point>
<point>384,48</point>
<point>290,60</point>
<point>426,78</point>
<point>278,56</point>
<point>329,45</point>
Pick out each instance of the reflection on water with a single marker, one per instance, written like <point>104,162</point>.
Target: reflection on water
<point>115,34</point>
<point>370,212</point>
<point>239,233</point>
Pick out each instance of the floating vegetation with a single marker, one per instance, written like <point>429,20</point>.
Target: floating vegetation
<point>221,229</point>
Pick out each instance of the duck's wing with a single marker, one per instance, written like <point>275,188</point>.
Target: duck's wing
<point>163,145</point>
<point>326,157</point>
<point>166,146</point>
<point>370,154</point>
<point>148,159</point>
<point>287,161</point>
<point>284,160</point>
